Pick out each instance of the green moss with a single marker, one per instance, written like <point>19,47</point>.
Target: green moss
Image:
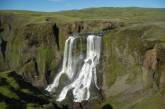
<point>96,105</point>
<point>15,51</point>
<point>18,97</point>
<point>126,46</point>
<point>108,50</point>
<point>3,105</point>
<point>6,91</point>
<point>10,81</point>
<point>32,106</point>
<point>29,67</point>
<point>152,102</point>
<point>44,58</point>
<point>162,91</point>
<point>26,91</point>
<point>114,66</point>
<point>135,71</point>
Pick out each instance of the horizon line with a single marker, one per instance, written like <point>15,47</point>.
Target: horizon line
<point>81,9</point>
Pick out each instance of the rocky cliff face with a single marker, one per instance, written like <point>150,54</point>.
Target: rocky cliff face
<point>133,57</point>
<point>131,71</point>
<point>35,49</point>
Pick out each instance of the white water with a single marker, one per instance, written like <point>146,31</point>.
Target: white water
<point>66,66</point>
<point>81,85</point>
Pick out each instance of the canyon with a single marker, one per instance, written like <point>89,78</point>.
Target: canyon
<point>56,51</point>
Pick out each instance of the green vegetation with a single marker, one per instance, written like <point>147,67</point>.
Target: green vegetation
<point>44,57</point>
<point>155,101</point>
<point>32,52</point>
<point>130,15</point>
<point>3,105</point>
<point>124,51</point>
<point>15,92</point>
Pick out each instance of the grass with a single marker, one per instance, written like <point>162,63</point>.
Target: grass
<point>124,14</point>
<point>44,57</point>
<point>5,90</point>
<point>3,105</point>
<point>131,42</point>
<point>16,93</point>
<point>129,15</point>
<point>8,80</point>
<point>16,45</point>
<point>156,101</point>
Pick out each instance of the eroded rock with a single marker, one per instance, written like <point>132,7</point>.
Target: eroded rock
<point>150,67</point>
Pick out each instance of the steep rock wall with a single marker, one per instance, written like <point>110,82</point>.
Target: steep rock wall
<point>34,48</point>
<point>131,66</point>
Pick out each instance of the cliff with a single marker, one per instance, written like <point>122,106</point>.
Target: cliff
<point>132,68</point>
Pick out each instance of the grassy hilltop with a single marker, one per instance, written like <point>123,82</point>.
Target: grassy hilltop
<point>136,15</point>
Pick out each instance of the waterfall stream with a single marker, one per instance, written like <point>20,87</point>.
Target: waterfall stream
<point>80,86</point>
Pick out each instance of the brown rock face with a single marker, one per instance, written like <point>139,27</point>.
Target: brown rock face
<point>162,82</point>
<point>162,71</point>
<point>39,51</point>
<point>32,49</point>
<point>154,68</point>
<point>90,26</point>
<point>150,67</point>
<point>35,48</point>
<point>150,59</point>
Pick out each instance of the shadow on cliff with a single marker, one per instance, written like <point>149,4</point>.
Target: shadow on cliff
<point>12,103</point>
<point>56,35</point>
<point>3,45</point>
<point>23,84</point>
<point>31,95</point>
<point>107,106</point>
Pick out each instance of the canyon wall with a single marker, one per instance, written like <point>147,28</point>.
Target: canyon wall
<point>131,68</point>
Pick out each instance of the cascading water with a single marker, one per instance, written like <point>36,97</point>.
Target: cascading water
<point>80,85</point>
<point>66,66</point>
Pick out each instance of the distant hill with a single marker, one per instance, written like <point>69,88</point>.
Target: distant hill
<point>132,14</point>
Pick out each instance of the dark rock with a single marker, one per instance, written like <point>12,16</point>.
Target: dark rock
<point>3,45</point>
<point>56,35</point>
<point>107,106</point>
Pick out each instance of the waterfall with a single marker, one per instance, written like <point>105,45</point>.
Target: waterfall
<point>80,86</point>
<point>66,65</point>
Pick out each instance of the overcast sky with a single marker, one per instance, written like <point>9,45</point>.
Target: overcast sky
<point>58,5</point>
